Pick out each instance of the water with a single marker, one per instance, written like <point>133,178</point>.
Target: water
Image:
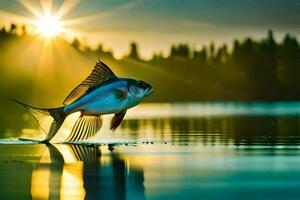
<point>170,155</point>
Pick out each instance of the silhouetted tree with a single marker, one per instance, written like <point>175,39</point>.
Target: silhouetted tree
<point>134,51</point>
<point>76,43</point>
<point>182,50</point>
<point>212,52</point>
<point>157,57</point>
<point>24,30</point>
<point>288,70</point>
<point>222,55</point>
<point>200,56</point>
<point>13,28</point>
<point>99,49</point>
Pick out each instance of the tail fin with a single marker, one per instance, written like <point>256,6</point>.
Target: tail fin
<point>49,119</point>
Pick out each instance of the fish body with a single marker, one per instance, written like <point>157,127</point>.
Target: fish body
<point>102,92</point>
<point>106,99</point>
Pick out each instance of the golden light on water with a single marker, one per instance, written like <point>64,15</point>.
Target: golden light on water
<point>72,182</point>
<point>65,181</point>
<point>40,186</point>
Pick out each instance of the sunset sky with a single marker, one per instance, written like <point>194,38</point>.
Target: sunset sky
<point>156,24</point>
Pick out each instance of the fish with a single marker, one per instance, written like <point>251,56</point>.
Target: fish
<point>101,93</point>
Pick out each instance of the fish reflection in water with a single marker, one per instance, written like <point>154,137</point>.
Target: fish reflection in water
<point>81,172</point>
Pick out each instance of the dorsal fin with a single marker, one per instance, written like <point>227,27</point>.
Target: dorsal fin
<point>100,74</point>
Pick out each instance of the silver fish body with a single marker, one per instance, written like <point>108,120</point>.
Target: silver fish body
<point>103,100</point>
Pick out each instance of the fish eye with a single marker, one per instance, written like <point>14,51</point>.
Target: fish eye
<point>140,84</point>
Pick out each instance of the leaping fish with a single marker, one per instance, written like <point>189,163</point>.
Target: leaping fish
<point>101,93</point>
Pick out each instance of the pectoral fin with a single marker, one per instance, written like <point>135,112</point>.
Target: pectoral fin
<point>117,119</point>
<point>120,94</point>
<point>85,127</point>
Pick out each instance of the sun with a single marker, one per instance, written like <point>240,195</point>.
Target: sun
<point>49,26</point>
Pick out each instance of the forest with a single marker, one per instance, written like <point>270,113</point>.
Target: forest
<point>251,70</point>
<point>266,69</point>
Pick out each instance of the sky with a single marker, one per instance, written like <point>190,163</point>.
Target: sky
<point>157,24</point>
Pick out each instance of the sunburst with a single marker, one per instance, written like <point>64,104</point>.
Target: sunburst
<point>49,26</point>
<point>46,22</point>
<point>50,23</point>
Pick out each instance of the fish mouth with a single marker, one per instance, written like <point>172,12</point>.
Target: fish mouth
<point>149,91</point>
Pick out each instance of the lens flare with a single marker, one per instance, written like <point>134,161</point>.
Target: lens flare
<point>49,26</point>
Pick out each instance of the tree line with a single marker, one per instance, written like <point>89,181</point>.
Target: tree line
<point>271,69</point>
<point>251,70</point>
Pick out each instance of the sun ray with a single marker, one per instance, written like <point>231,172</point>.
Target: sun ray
<point>47,23</point>
<point>46,6</point>
<point>50,23</point>
<point>66,7</point>
<point>31,7</point>
<point>12,17</point>
<point>102,15</point>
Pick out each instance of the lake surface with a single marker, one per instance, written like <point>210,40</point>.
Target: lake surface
<point>166,151</point>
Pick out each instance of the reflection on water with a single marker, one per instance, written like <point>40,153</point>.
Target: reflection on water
<point>232,130</point>
<point>76,172</point>
<point>233,157</point>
